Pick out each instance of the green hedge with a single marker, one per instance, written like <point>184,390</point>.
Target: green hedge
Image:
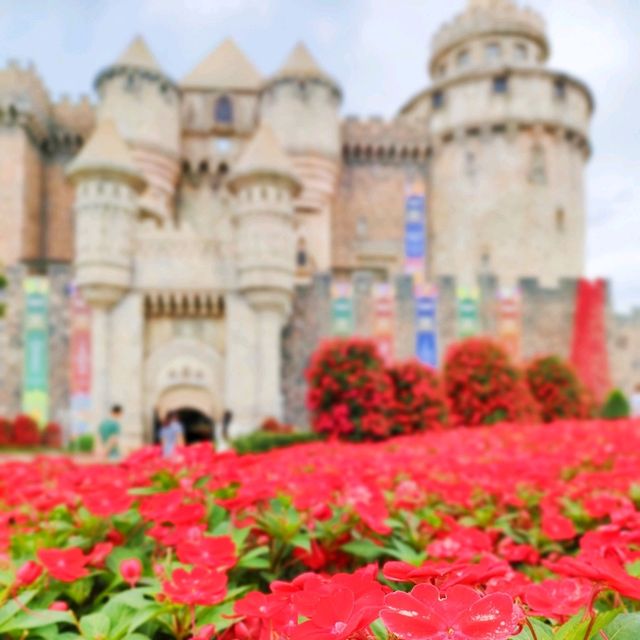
<point>616,406</point>
<point>261,441</point>
<point>82,444</point>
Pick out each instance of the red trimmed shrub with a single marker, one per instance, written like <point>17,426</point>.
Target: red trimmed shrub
<point>25,432</point>
<point>484,386</point>
<point>557,389</point>
<point>6,432</point>
<point>350,393</point>
<point>272,425</point>
<point>52,435</point>
<point>420,402</point>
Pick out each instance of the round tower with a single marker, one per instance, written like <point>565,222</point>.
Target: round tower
<point>107,182</point>
<point>301,104</point>
<point>144,103</point>
<point>510,139</point>
<point>265,185</point>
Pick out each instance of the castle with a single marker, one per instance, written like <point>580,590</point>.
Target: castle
<point>198,219</point>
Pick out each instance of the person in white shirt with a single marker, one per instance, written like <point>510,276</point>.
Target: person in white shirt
<point>635,402</point>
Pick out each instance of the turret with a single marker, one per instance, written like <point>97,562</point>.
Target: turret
<point>145,105</point>
<point>107,182</point>
<point>301,104</point>
<point>265,185</point>
<point>509,139</point>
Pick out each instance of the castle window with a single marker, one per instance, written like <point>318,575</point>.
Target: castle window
<point>437,99</point>
<point>362,227</point>
<point>560,220</point>
<point>500,84</point>
<point>470,164</point>
<point>223,110</point>
<point>463,59</point>
<point>302,257</point>
<point>492,52</point>
<point>538,171</point>
<point>559,89</point>
<point>521,52</point>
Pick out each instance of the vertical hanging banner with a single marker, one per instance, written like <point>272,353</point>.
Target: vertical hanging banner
<point>509,321</point>
<point>468,318</point>
<point>415,234</point>
<point>426,325</point>
<point>80,358</point>
<point>342,308</point>
<point>383,320</point>
<point>35,382</point>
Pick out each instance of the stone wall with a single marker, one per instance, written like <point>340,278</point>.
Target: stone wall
<point>547,317</point>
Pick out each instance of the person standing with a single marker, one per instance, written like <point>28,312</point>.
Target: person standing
<point>223,442</point>
<point>109,433</point>
<point>171,435</point>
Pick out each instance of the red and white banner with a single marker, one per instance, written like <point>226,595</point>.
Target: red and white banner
<point>510,321</point>
<point>80,359</point>
<point>383,317</point>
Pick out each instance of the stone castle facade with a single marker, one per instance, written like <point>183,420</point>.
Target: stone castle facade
<point>201,218</point>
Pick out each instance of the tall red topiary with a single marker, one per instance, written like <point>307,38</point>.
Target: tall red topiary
<point>6,432</point>
<point>420,402</point>
<point>25,432</point>
<point>557,389</point>
<point>484,386</point>
<point>350,392</point>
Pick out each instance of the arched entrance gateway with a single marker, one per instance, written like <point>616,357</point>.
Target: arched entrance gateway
<point>185,376</point>
<point>194,409</point>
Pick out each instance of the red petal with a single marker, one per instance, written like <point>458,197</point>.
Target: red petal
<point>410,618</point>
<point>490,618</point>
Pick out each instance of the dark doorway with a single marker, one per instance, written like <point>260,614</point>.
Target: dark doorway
<point>197,426</point>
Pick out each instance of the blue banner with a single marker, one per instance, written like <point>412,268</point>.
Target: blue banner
<point>426,330</point>
<point>415,236</point>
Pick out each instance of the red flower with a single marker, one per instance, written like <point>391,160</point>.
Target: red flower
<point>459,614</point>
<point>204,633</point>
<point>201,586</point>
<point>209,551</point>
<point>99,554</point>
<point>559,599</point>
<point>27,574</point>
<point>66,565</point>
<point>131,570</point>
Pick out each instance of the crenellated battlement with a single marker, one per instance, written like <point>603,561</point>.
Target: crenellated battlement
<point>490,17</point>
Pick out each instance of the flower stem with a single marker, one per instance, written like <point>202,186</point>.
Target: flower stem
<point>534,635</point>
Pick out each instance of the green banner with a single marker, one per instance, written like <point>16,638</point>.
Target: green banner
<point>35,382</point>
<point>341,309</point>
<point>468,318</point>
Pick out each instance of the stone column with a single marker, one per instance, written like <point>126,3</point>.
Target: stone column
<point>270,323</point>
<point>99,364</point>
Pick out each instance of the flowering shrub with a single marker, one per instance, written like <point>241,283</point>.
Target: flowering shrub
<point>488,534</point>
<point>557,389</point>
<point>52,435</point>
<point>350,393</point>
<point>419,399</point>
<point>25,432</point>
<point>484,387</point>
<point>6,432</point>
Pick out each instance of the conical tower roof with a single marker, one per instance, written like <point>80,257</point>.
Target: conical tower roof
<point>105,152</point>
<point>226,67</point>
<point>264,156</point>
<point>301,65</point>
<point>138,55</point>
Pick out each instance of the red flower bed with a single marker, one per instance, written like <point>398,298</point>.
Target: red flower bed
<point>484,386</point>
<point>477,534</point>
<point>557,389</point>
<point>420,402</point>
<point>350,393</point>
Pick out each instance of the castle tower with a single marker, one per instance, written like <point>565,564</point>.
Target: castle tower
<point>510,140</point>
<point>265,186</point>
<point>107,182</point>
<point>301,104</point>
<point>145,105</point>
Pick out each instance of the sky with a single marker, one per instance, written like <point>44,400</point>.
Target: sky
<point>377,49</point>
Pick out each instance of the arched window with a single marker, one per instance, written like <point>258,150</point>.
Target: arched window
<point>538,170</point>
<point>223,111</point>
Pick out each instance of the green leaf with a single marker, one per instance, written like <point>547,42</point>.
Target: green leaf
<point>302,540</point>
<point>255,559</point>
<point>379,630</point>
<point>36,619</point>
<point>95,626</point>
<point>575,627</point>
<point>543,631</point>
<point>626,626</point>
<point>365,549</point>
<point>11,608</point>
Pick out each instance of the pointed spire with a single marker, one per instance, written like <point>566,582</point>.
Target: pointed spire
<point>138,55</point>
<point>264,156</point>
<point>226,67</point>
<point>105,152</point>
<point>300,64</point>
